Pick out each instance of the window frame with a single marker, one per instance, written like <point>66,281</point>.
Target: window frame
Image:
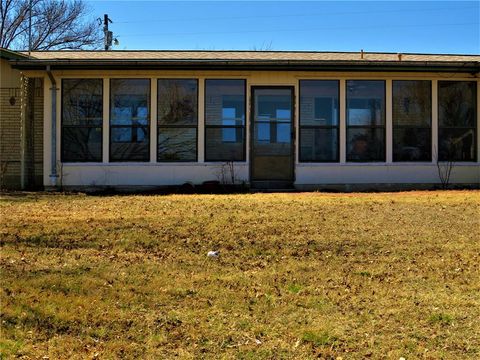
<point>243,127</point>
<point>196,127</point>
<point>110,126</point>
<point>412,127</point>
<point>474,128</point>
<point>314,127</point>
<point>62,126</point>
<point>372,127</point>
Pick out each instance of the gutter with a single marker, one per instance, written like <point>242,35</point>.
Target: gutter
<point>472,67</point>
<point>53,165</point>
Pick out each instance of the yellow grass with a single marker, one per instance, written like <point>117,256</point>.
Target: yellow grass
<point>384,275</point>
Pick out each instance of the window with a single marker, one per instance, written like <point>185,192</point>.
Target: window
<point>129,119</point>
<point>365,120</point>
<point>319,132</point>
<point>82,116</point>
<point>224,120</point>
<point>412,114</point>
<point>457,120</point>
<point>177,120</point>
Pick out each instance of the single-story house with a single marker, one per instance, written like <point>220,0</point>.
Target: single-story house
<point>267,119</point>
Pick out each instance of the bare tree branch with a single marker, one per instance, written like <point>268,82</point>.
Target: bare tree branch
<point>56,25</point>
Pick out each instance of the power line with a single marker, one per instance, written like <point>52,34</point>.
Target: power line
<point>159,19</point>
<point>296,30</point>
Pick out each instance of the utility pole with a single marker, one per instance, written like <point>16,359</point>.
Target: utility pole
<point>108,35</point>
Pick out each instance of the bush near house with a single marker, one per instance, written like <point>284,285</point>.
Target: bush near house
<point>384,275</point>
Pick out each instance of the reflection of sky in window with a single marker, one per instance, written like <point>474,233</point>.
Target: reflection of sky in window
<point>142,113</point>
<point>122,115</point>
<point>228,118</point>
<point>283,114</point>
<point>283,133</point>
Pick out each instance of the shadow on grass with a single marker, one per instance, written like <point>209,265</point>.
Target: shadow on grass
<point>51,242</point>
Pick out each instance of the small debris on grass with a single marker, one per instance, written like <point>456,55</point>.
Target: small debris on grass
<point>213,254</point>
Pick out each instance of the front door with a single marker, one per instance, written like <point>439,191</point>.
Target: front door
<point>271,151</point>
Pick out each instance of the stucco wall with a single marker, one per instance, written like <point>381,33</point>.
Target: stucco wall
<point>153,173</point>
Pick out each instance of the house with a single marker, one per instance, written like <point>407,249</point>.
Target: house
<point>269,119</point>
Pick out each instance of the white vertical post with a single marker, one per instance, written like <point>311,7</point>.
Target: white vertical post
<point>153,120</point>
<point>343,121</point>
<point>106,121</point>
<point>201,121</point>
<point>58,129</point>
<point>434,121</point>
<point>389,120</point>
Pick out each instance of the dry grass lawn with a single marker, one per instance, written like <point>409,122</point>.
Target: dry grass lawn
<point>302,276</point>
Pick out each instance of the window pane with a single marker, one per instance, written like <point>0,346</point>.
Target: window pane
<point>365,144</point>
<point>129,119</point>
<point>412,144</point>
<point>177,102</point>
<point>130,101</point>
<point>365,102</point>
<point>319,144</point>
<point>457,103</point>
<point>219,148</point>
<point>82,101</point>
<point>224,102</point>
<point>412,103</point>
<point>81,143</point>
<point>177,144</point>
<point>319,102</point>
<point>456,144</point>
<point>129,143</point>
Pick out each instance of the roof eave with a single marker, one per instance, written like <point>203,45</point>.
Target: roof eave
<point>214,64</point>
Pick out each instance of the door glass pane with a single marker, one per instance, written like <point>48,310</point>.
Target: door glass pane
<point>272,157</point>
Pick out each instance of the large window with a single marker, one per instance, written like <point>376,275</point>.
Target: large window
<point>225,120</point>
<point>129,119</point>
<point>82,115</point>
<point>365,120</point>
<point>457,120</point>
<point>412,114</point>
<point>177,120</point>
<point>319,115</point>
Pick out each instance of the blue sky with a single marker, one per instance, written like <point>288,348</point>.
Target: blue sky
<point>391,26</point>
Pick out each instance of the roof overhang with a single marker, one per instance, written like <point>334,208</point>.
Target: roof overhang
<point>12,55</point>
<point>472,67</point>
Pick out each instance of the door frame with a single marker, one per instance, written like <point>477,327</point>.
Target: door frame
<point>252,128</point>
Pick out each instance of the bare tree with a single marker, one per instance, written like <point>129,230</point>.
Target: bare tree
<point>56,25</point>
<point>444,169</point>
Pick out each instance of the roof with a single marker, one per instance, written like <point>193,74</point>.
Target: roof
<point>11,55</point>
<point>252,60</point>
<point>245,55</point>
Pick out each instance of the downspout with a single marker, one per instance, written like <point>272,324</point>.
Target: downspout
<point>23,121</point>
<point>53,165</point>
